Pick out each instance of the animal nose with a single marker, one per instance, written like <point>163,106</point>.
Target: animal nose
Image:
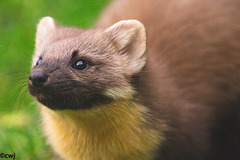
<point>37,79</point>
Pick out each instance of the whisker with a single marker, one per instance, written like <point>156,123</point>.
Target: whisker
<point>14,80</point>
<point>36,117</point>
<point>23,95</point>
<point>18,92</point>
<point>14,84</point>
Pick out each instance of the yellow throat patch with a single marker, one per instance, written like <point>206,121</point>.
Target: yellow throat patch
<point>120,130</point>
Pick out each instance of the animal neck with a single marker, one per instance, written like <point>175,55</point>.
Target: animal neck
<point>111,116</point>
<point>122,125</point>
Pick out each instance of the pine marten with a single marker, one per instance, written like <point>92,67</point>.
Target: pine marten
<point>153,80</point>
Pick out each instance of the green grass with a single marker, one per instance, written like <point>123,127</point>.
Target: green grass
<point>20,121</point>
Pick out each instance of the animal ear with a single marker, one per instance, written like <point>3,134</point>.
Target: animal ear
<point>45,29</point>
<point>129,37</point>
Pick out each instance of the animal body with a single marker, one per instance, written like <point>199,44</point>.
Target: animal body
<point>153,80</point>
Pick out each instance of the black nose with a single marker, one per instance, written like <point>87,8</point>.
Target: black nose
<point>37,78</point>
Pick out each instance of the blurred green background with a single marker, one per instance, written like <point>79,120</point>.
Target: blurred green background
<point>20,120</point>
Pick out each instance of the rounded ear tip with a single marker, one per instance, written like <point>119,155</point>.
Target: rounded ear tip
<point>47,23</point>
<point>134,21</point>
<point>46,19</point>
<point>131,22</point>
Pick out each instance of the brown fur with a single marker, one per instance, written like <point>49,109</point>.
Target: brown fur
<point>184,86</point>
<point>192,73</point>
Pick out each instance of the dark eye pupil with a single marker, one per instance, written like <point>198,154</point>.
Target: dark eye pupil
<point>80,65</point>
<point>39,61</point>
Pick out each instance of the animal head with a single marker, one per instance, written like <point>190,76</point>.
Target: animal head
<point>75,69</point>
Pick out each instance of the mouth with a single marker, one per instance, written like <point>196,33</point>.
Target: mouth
<point>57,100</point>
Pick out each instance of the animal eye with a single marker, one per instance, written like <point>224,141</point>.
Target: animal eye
<point>80,65</point>
<point>39,61</point>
